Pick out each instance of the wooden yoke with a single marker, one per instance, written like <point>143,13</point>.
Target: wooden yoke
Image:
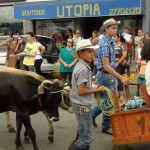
<point>115,100</point>
<point>145,95</point>
<point>127,91</point>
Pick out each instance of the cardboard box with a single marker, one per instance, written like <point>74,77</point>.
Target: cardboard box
<point>132,78</point>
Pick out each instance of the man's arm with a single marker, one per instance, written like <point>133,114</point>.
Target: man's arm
<point>4,43</point>
<point>112,71</point>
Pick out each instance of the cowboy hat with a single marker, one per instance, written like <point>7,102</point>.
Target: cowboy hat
<point>83,44</point>
<point>108,23</point>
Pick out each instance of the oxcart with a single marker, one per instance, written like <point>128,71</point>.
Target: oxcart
<point>131,126</point>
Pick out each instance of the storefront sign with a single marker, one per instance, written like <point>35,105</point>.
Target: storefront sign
<point>77,8</point>
<point>8,1</point>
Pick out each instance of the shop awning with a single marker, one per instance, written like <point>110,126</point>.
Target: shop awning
<point>77,8</point>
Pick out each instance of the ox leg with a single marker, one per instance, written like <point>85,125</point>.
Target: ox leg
<point>26,137</point>
<point>9,125</point>
<point>30,131</point>
<point>19,127</point>
<point>50,128</point>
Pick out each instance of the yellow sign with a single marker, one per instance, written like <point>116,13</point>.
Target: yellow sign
<point>37,12</point>
<point>125,11</point>
<point>78,10</point>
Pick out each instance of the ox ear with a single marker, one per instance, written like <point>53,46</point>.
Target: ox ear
<point>62,83</point>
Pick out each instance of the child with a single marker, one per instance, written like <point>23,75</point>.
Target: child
<point>82,94</point>
<point>140,65</point>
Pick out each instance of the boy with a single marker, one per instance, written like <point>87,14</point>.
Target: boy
<point>106,74</point>
<point>82,94</point>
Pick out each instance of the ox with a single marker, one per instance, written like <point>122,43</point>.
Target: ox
<point>65,104</point>
<point>26,93</point>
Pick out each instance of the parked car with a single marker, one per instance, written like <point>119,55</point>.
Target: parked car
<point>50,58</point>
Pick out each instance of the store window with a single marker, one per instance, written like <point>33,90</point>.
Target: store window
<point>8,23</point>
<point>133,22</point>
<point>50,27</point>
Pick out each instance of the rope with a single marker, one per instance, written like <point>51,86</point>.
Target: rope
<point>62,94</point>
<point>109,108</point>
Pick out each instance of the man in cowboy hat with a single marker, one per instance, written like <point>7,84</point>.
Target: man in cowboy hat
<point>106,68</point>
<point>82,94</point>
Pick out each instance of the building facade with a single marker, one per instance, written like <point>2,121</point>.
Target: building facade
<point>46,17</point>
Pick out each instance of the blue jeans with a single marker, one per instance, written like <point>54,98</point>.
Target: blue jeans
<point>29,68</point>
<point>85,128</point>
<point>108,81</point>
<point>120,70</point>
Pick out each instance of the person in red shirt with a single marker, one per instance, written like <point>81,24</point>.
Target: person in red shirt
<point>128,44</point>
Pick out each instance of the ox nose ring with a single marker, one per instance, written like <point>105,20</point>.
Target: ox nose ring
<point>54,119</point>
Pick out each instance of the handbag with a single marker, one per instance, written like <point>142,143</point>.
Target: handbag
<point>127,62</point>
<point>142,77</point>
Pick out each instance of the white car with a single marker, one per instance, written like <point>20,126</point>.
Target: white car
<point>50,60</point>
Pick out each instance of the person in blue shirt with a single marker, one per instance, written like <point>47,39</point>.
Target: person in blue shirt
<point>67,61</point>
<point>105,56</point>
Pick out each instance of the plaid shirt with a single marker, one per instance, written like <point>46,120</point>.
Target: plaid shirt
<point>106,49</point>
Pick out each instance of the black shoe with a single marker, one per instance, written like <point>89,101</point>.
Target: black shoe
<point>108,131</point>
<point>74,147</point>
<point>94,122</point>
<point>88,147</point>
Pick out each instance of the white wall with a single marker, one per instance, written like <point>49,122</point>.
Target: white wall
<point>146,19</point>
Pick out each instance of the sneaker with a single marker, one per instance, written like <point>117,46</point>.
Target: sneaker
<point>108,131</point>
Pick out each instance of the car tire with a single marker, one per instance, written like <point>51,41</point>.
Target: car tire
<point>52,53</point>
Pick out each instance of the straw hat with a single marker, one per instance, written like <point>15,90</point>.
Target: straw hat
<point>108,23</point>
<point>83,44</point>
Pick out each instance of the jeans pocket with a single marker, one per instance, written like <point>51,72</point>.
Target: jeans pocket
<point>76,109</point>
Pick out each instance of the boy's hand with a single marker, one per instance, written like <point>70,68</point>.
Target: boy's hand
<point>101,89</point>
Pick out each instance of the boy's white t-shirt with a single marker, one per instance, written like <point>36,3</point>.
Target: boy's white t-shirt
<point>38,54</point>
<point>139,52</point>
<point>147,77</point>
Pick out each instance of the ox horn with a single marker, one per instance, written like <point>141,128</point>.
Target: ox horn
<point>41,87</point>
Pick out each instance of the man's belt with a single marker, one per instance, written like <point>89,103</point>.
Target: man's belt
<point>102,70</point>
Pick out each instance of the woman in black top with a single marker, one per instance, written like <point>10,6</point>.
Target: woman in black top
<point>120,55</point>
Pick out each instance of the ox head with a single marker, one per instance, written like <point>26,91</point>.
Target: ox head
<point>51,94</point>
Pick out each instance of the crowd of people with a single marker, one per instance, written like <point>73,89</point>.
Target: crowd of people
<point>22,55</point>
<point>106,55</point>
<point>111,60</point>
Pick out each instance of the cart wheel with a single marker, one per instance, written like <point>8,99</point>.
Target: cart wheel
<point>122,147</point>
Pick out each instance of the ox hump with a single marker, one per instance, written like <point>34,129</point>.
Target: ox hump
<point>21,72</point>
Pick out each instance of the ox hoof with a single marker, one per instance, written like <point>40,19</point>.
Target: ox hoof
<point>70,110</point>
<point>11,130</point>
<point>51,139</point>
<point>27,140</point>
<point>20,148</point>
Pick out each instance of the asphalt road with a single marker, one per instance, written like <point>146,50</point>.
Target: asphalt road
<point>65,131</point>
